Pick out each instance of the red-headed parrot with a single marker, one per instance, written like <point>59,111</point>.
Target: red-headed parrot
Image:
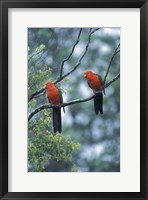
<point>95,82</point>
<point>54,96</point>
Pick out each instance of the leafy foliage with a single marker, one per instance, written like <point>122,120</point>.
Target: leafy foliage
<point>46,148</point>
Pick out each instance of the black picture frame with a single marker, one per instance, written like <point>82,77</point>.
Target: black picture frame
<point>4,6</point>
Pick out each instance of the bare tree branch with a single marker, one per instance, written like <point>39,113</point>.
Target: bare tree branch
<point>73,69</point>
<point>47,106</point>
<point>36,93</point>
<point>116,51</point>
<point>113,80</point>
<point>72,50</point>
<point>96,29</point>
<point>79,62</point>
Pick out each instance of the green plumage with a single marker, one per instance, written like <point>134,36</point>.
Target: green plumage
<point>57,120</point>
<point>100,78</point>
<point>61,97</point>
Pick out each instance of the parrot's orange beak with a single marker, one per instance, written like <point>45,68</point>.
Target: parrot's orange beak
<point>85,75</point>
<point>45,86</point>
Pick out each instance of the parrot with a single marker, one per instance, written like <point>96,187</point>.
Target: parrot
<point>95,82</point>
<point>54,96</point>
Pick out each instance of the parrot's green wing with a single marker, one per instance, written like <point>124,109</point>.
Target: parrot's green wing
<point>100,78</point>
<point>60,94</point>
<point>88,84</point>
<point>61,97</point>
<point>49,100</point>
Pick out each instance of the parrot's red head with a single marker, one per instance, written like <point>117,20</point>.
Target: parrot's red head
<point>49,85</point>
<point>88,74</point>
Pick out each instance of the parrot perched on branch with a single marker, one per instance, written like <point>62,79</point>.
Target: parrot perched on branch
<point>95,82</point>
<point>54,96</point>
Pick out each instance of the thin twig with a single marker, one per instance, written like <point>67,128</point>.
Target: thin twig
<point>113,80</point>
<point>116,51</point>
<point>96,29</point>
<point>72,50</point>
<point>36,93</point>
<point>45,106</point>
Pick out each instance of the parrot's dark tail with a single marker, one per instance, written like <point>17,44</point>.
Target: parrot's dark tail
<point>98,103</point>
<point>57,122</point>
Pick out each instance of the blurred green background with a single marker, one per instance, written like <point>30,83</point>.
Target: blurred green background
<point>89,142</point>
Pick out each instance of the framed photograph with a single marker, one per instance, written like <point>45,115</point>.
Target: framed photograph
<point>73,99</point>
